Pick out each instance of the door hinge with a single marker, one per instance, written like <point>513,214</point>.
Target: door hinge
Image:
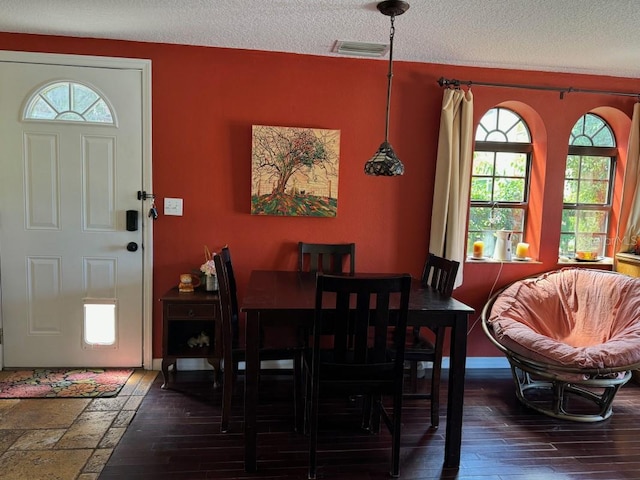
<point>1,337</point>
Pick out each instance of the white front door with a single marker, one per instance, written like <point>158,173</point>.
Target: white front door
<point>67,179</point>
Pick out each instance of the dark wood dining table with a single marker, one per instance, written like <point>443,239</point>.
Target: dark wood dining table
<point>277,297</point>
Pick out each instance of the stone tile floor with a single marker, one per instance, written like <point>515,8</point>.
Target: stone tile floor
<point>66,439</point>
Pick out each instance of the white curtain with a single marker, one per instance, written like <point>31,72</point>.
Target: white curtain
<point>629,224</point>
<point>453,171</point>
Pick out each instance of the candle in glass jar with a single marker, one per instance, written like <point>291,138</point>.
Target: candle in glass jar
<point>478,249</point>
<point>522,250</point>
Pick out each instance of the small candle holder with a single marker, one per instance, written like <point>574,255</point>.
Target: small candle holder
<point>522,251</point>
<point>478,249</point>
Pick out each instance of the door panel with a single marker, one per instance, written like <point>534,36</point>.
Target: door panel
<point>64,192</point>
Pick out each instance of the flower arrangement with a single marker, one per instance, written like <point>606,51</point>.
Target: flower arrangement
<point>208,267</point>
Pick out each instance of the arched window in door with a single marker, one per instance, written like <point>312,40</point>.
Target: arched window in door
<point>68,101</point>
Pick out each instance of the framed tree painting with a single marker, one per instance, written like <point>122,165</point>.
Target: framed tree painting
<point>294,171</point>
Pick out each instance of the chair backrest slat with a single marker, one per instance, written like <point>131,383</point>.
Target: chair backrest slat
<point>233,289</point>
<point>381,324</point>
<point>226,307</point>
<point>224,260</point>
<point>440,273</point>
<point>362,306</point>
<point>326,257</point>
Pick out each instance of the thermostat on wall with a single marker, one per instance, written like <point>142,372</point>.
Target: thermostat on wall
<point>173,206</point>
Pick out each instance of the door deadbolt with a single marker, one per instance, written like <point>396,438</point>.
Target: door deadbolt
<point>132,246</point>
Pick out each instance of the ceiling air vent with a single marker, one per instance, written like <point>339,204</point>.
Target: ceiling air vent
<point>360,49</point>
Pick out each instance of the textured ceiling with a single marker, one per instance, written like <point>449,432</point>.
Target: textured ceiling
<point>580,36</point>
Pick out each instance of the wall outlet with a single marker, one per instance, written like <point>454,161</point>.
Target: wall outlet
<point>173,206</point>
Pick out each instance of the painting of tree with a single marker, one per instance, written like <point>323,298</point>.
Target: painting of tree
<point>294,171</point>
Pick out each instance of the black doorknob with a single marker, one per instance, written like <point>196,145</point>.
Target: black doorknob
<point>132,246</point>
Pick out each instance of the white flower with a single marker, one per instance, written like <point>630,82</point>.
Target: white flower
<point>209,268</point>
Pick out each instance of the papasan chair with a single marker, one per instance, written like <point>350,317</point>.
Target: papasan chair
<point>572,338</point>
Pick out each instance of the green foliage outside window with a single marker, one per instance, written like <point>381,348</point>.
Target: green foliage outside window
<point>587,186</point>
<point>500,176</point>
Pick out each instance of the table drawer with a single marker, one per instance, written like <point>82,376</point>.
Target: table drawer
<point>191,310</point>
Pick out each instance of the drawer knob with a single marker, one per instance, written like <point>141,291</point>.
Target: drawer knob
<point>191,313</point>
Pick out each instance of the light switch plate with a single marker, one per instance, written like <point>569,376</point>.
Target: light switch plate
<point>173,206</point>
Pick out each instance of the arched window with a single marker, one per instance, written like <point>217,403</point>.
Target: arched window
<point>588,186</point>
<point>499,178</point>
<point>68,101</point>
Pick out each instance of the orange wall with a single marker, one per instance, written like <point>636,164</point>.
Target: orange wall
<point>205,101</point>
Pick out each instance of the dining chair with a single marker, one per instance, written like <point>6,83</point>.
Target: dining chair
<point>326,257</point>
<point>438,273</point>
<point>358,307</point>
<point>234,352</point>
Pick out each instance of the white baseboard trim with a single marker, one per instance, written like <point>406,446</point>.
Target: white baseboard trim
<point>481,362</point>
<point>202,364</point>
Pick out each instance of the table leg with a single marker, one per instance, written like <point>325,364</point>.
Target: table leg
<point>166,363</point>
<point>455,400</point>
<point>252,366</point>
<point>215,364</point>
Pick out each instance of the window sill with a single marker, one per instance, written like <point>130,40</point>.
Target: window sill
<point>605,264</point>
<point>472,260</point>
<point>571,261</point>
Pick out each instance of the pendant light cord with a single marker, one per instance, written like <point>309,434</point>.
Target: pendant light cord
<point>389,77</point>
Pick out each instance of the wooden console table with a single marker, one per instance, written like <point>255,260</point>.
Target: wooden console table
<point>628,263</point>
<point>185,316</point>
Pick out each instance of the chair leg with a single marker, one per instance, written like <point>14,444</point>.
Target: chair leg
<point>374,412</point>
<point>298,397</point>
<point>368,411</point>
<point>215,363</point>
<point>436,374</point>
<point>395,434</point>
<point>227,393</point>
<point>413,376</point>
<point>306,421</point>
<point>313,435</point>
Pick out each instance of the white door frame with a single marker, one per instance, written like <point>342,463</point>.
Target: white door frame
<point>144,66</point>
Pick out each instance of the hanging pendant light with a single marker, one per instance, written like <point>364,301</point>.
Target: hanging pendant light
<point>385,162</point>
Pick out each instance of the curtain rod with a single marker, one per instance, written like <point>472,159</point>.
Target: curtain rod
<point>446,82</point>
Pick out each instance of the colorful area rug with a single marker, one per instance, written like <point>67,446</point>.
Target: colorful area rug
<point>63,383</point>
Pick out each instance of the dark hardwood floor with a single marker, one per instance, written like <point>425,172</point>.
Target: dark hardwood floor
<point>176,435</point>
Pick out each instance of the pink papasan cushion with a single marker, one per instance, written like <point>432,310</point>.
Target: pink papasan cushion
<point>575,317</point>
